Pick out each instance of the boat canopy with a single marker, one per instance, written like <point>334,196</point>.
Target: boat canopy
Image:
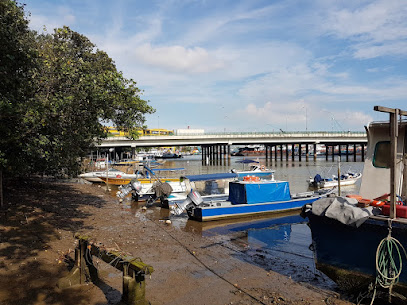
<point>207,177</point>
<point>246,161</point>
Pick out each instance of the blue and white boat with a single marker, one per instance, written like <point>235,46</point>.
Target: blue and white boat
<point>247,199</point>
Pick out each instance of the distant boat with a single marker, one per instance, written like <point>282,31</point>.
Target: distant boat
<point>250,151</point>
<point>349,178</point>
<point>95,176</point>
<point>255,169</point>
<point>168,156</point>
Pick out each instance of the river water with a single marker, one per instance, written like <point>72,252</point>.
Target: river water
<point>278,242</point>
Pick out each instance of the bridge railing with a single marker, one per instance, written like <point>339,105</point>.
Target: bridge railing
<point>262,134</point>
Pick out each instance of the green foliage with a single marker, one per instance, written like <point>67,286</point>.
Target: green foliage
<point>17,62</point>
<point>70,89</point>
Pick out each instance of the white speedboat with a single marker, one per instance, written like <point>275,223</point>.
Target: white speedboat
<point>94,176</point>
<point>349,178</point>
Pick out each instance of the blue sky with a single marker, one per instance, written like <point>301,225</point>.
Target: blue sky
<point>230,65</point>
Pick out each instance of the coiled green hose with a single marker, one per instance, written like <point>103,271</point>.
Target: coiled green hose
<point>389,262</point>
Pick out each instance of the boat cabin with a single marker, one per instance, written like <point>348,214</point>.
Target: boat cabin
<point>377,178</point>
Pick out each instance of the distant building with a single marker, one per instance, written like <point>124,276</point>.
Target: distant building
<point>188,131</point>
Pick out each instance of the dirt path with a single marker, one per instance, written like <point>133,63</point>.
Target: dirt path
<point>38,230</point>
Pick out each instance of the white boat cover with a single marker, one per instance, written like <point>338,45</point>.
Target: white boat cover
<point>343,209</point>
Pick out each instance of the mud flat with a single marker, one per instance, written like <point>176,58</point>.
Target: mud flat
<point>37,232</point>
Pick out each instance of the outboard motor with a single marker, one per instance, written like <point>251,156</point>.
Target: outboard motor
<point>193,199</point>
<point>317,180</point>
<point>161,190</point>
<point>134,185</point>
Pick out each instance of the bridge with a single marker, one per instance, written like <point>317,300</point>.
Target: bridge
<point>217,145</point>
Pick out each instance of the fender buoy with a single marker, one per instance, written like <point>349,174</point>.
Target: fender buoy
<point>263,168</point>
<point>358,197</point>
<point>377,203</point>
<point>118,176</point>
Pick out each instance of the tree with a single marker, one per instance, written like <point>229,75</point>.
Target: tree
<point>78,88</point>
<point>17,61</point>
<point>61,90</point>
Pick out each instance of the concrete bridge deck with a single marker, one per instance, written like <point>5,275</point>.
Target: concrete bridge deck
<point>265,138</point>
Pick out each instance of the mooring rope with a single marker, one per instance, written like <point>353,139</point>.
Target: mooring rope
<point>389,263</point>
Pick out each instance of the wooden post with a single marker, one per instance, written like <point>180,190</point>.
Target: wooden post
<point>134,271</point>
<point>393,162</point>
<point>107,172</point>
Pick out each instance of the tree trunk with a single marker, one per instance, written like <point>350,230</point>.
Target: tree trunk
<point>1,190</point>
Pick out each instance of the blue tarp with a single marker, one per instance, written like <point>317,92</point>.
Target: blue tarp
<point>241,192</point>
<point>211,176</point>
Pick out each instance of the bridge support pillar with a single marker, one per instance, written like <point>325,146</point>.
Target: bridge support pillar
<point>281,152</point>
<point>354,152</point>
<point>315,151</point>
<point>326,152</point>
<point>340,151</point>
<point>267,151</point>
<point>306,151</point>
<point>275,152</point>
<point>333,152</point>
<point>299,152</point>
<point>347,152</point>
<point>133,152</point>
<point>286,152</point>
<point>363,152</point>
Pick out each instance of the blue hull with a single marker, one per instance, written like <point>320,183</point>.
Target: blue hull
<point>243,210</point>
<point>351,250</point>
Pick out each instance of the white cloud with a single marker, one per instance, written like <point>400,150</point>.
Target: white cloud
<point>377,29</point>
<point>178,58</point>
<point>63,16</point>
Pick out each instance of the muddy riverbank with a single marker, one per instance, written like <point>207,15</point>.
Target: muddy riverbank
<point>38,228</point>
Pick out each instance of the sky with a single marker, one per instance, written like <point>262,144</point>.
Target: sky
<point>251,65</point>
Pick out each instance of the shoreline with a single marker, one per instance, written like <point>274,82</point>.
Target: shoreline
<point>43,216</point>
